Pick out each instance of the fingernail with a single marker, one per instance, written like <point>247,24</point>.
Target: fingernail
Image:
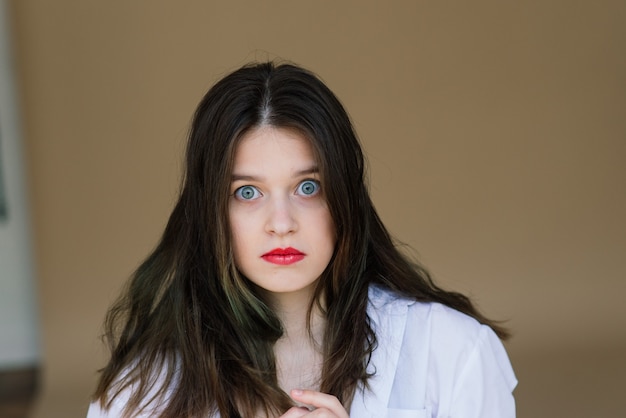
<point>297,392</point>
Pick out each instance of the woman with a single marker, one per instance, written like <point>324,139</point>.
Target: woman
<point>276,291</point>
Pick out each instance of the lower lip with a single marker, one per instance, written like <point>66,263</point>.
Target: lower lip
<point>283,260</point>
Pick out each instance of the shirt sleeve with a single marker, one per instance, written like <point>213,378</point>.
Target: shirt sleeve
<point>96,411</point>
<point>151,406</point>
<point>484,386</point>
<point>117,408</point>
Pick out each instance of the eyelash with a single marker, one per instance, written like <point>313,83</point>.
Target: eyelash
<point>315,182</point>
<point>239,192</point>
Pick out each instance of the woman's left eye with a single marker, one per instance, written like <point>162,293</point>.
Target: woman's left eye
<point>308,187</point>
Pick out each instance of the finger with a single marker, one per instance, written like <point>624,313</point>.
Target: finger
<point>320,400</point>
<point>323,413</point>
<point>295,412</point>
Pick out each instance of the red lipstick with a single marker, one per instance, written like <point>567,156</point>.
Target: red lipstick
<point>283,256</point>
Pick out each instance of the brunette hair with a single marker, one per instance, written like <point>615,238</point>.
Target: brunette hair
<point>190,331</point>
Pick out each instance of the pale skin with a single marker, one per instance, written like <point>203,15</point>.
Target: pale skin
<point>326,405</point>
<point>277,203</point>
<point>298,346</point>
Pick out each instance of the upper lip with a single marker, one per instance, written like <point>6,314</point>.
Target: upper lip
<point>283,251</point>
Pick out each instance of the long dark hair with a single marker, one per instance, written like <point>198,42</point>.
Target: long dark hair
<point>190,331</point>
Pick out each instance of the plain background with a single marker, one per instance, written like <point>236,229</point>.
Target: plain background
<point>495,132</point>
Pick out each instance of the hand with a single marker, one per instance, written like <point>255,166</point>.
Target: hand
<point>325,405</point>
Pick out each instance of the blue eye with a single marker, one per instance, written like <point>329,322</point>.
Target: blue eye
<point>247,193</point>
<point>308,187</point>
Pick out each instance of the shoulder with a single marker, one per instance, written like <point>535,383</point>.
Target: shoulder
<point>445,329</point>
<point>384,302</point>
<point>453,357</point>
<point>443,324</point>
<point>446,332</point>
<point>158,385</point>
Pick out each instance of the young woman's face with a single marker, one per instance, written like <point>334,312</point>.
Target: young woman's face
<point>283,234</point>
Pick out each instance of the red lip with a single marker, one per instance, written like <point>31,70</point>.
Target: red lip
<point>283,256</point>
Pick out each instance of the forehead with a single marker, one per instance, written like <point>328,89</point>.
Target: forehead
<point>269,148</point>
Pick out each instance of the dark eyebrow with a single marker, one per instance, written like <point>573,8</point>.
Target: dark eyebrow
<point>312,170</point>
<point>244,177</point>
<point>241,177</point>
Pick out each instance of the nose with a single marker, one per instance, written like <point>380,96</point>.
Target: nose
<point>281,219</point>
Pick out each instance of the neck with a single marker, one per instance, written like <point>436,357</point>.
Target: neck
<point>293,311</point>
<point>298,352</point>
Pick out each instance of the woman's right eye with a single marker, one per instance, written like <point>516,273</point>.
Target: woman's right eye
<point>247,193</point>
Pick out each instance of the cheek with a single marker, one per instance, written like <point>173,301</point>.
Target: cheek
<point>328,228</point>
<point>328,219</point>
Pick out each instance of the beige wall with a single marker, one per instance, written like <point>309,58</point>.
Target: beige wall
<point>495,132</point>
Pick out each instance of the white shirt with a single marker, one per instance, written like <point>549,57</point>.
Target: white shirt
<point>431,361</point>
